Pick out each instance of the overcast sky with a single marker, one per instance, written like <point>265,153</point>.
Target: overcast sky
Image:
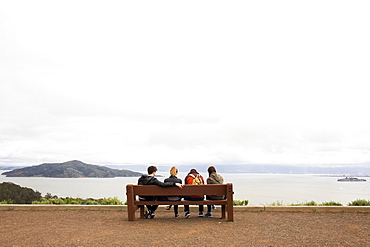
<point>185,82</point>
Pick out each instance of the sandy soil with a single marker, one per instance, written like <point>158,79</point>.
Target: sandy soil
<point>111,228</point>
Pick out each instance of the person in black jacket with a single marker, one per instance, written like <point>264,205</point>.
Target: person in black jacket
<point>173,172</point>
<point>151,180</point>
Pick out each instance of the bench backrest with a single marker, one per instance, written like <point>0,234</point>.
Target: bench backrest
<point>206,189</point>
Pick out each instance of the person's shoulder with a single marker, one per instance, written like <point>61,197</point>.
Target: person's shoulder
<point>215,178</point>
<point>143,179</point>
<point>151,179</point>
<point>189,179</point>
<point>178,180</point>
<point>173,179</point>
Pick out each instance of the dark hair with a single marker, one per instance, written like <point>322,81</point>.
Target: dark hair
<point>211,169</point>
<point>152,169</point>
<point>193,171</point>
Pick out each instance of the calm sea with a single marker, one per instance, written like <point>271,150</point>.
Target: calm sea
<point>259,189</point>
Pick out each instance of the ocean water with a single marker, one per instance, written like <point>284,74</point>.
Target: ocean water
<point>259,189</point>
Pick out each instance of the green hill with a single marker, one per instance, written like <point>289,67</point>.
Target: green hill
<point>70,169</point>
<point>13,193</point>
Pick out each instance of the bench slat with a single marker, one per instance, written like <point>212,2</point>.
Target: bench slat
<point>154,190</point>
<point>184,202</point>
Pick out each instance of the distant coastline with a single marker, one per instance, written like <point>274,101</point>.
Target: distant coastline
<point>337,171</point>
<point>355,170</point>
<point>351,179</point>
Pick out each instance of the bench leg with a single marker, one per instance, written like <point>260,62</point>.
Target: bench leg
<point>230,213</point>
<point>131,208</point>
<point>142,212</point>
<point>223,211</point>
<point>131,213</point>
<point>230,200</point>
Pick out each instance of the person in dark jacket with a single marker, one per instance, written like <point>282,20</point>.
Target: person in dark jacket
<point>173,178</point>
<point>213,178</point>
<point>151,180</point>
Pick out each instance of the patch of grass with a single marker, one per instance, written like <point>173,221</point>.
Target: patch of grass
<point>331,203</point>
<point>80,201</point>
<point>7,202</point>
<point>277,203</point>
<point>359,202</point>
<point>240,202</point>
<point>311,203</point>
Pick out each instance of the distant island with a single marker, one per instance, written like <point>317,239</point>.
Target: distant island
<point>70,169</point>
<point>351,179</point>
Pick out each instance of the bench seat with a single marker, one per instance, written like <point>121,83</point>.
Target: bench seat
<point>183,202</point>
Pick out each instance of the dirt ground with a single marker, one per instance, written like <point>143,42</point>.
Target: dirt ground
<point>111,228</point>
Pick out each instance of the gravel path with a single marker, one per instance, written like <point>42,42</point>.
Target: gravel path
<point>111,228</point>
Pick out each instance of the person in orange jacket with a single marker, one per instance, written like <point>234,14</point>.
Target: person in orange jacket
<point>194,177</point>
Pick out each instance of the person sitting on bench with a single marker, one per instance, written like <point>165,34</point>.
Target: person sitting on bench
<point>214,178</point>
<point>194,178</point>
<point>150,179</point>
<point>173,178</point>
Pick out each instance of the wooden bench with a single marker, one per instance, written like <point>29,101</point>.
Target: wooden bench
<point>153,190</point>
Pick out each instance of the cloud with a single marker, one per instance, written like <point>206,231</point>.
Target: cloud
<point>177,83</point>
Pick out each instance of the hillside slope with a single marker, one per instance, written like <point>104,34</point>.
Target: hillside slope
<point>70,169</point>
